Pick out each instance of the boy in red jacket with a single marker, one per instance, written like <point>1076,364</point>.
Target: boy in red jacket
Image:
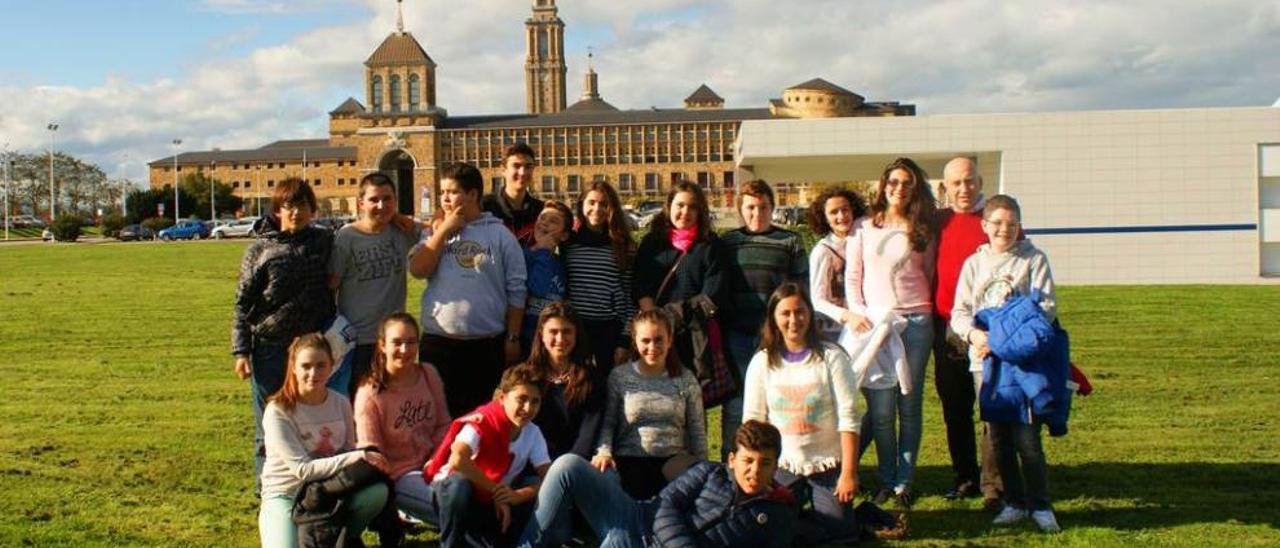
<point>475,472</point>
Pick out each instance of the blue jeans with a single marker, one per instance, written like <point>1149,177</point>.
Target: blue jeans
<point>1022,464</point>
<point>461,516</point>
<point>416,498</point>
<point>267,376</point>
<point>572,483</point>
<point>898,445</point>
<point>275,519</point>
<point>740,347</point>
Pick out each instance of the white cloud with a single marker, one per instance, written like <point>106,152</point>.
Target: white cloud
<point>273,7</point>
<point>960,56</point>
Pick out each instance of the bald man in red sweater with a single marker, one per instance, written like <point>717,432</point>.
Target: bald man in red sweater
<point>961,233</point>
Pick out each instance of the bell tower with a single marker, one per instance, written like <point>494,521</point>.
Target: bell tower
<point>544,68</point>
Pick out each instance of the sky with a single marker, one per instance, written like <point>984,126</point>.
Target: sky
<point>123,79</point>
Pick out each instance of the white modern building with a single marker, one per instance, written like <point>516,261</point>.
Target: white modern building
<point>1135,196</point>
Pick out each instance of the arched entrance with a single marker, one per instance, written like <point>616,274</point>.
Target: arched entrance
<point>399,165</point>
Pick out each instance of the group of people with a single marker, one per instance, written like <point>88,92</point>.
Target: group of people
<point>554,387</point>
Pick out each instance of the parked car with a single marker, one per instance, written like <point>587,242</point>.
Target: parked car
<point>46,235</point>
<point>133,233</point>
<point>332,223</point>
<point>239,228</point>
<point>26,221</point>
<point>186,230</point>
<point>790,215</point>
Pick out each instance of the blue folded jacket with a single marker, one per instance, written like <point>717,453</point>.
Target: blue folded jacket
<point>1025,375</point>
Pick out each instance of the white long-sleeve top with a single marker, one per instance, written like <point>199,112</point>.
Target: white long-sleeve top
<point>989,278</point>
<point>311,442</point>
<point>810,402</point>
<point>826,275</point>
<point>879,356</point>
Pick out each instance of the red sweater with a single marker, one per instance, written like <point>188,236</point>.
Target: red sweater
<point>961,235</point>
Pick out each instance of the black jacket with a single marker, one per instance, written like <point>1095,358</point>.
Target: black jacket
<point>283,290</point>
<point>692,342</point>
<point>700,273</point>
<point>320,509</point>
<point>519,221</point>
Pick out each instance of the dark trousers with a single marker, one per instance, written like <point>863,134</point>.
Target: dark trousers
<point>955,386</point>
<point>267,376</point>
<point>823,518</point>
<point>470,369</point>
<point>1022,464</point>
<point>361,361</point>
<point>641,476</point>
<point>603,337</point>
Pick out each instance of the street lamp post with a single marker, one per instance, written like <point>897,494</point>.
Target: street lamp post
<point>213,210</point>
<point>7,170</point>
<point>53,200</point>
<point>176,216</point>
<point>124,189</point>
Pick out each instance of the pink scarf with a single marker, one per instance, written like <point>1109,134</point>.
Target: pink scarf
<point>683,238</point>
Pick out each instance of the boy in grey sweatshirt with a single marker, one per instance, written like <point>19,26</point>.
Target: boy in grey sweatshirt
<point>473,306</point>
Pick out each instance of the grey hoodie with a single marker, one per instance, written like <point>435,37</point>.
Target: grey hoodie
<point>988,279</point>
<point>481,273</point>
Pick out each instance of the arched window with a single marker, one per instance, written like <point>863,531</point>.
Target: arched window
<point>395,93</point>
<point>375,93</point>
<point>415,92</point>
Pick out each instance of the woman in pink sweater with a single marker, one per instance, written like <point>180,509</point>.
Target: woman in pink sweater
<point>888,279</point>
<point>401,410</point>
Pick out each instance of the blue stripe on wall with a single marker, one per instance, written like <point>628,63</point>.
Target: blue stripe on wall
<point>1137,229</point>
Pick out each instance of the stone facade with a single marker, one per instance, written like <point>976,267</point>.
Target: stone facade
<point>401,131</point>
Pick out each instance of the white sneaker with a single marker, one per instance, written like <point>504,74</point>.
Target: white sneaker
<point>1046,521</point>
<point>1009,516</point>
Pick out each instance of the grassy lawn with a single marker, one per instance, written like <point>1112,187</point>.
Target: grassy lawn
<point>123,424</point>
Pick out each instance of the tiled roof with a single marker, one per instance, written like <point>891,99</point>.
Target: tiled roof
<point>818,84</point>
<point>269,153</point>
<point>703,95</point>
<point>567,118</point>
<point>296,143</point>
<point>350,106</point>
<point>592,105</point>
<point>399,49</point>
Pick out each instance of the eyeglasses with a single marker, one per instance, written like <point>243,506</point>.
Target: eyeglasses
<point>895,182</point>
<point>1002,224</point>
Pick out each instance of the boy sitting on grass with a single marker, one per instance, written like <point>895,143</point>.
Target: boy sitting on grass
<point>710,505</point>
<point>476,470</point>
<point>999,270</point>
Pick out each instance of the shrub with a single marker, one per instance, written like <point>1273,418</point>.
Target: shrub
<point>66,228</point>
<point>156,224</point>
<point>110,225</point>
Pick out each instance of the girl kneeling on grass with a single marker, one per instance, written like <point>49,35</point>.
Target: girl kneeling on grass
<point>653,426</point>
<point>804,386</point>
<point>310,435</point>
<point>401,410</point>
<point>476,471</point>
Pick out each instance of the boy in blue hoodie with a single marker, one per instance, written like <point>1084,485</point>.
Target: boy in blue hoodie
<point>473,306</point>
<point>546,275</point>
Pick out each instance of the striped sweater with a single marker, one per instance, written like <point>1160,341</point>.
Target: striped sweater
<point>599,290</point>
<point>757,264</point>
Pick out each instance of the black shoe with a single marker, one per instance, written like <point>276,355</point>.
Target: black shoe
<point>966,490</point>
<point>882,496</point>
<point>905,499</point>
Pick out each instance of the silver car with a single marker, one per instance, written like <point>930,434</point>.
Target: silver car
<point>239,228</point>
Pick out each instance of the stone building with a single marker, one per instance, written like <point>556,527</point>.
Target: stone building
<point>400,129</point>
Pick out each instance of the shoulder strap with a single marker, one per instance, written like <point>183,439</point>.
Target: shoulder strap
<point>658,296</point>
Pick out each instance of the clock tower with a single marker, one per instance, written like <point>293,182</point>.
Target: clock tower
<point>544,68</point>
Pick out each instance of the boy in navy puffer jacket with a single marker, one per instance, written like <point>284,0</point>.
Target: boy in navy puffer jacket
<point>709,505</point>
<point>997,272</point>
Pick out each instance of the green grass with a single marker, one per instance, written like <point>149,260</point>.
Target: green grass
<point>122,423</point>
